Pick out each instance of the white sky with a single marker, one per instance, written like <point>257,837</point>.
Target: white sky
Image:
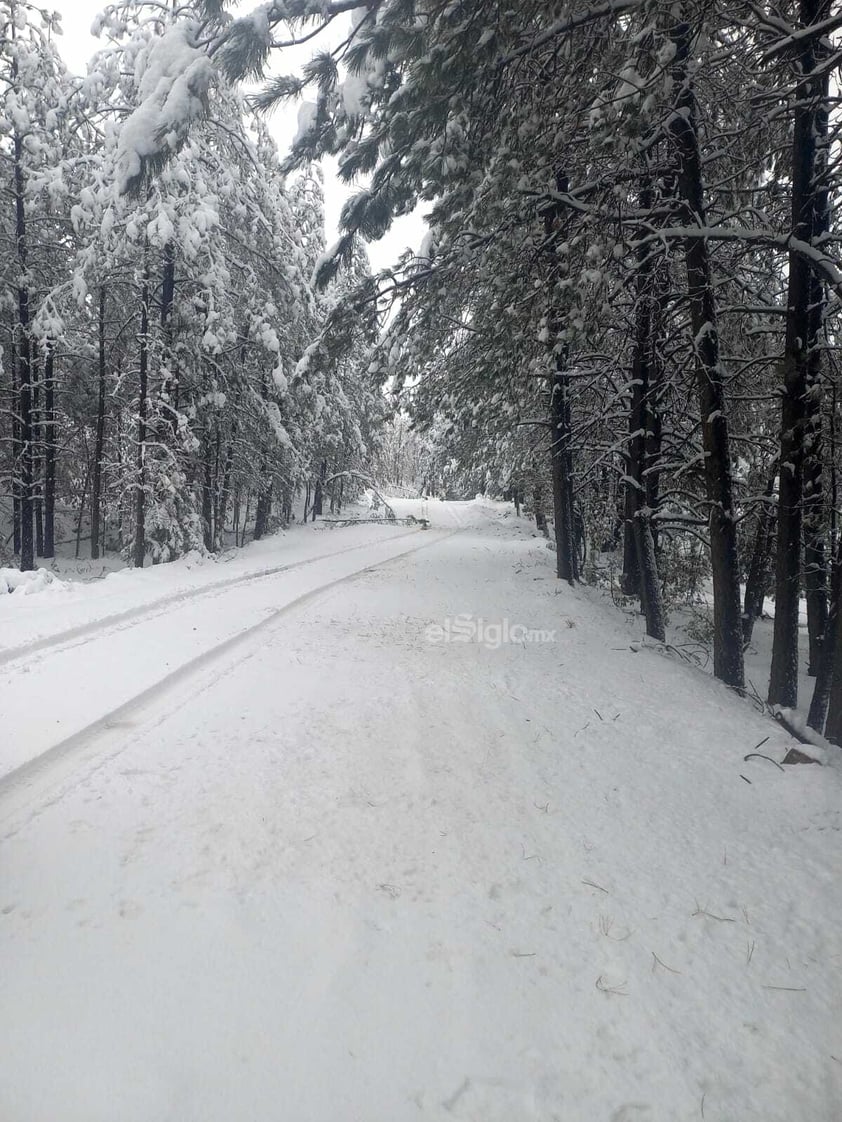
<point>77,45</point>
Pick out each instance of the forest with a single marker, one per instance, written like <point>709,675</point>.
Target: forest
<point>625,315</point>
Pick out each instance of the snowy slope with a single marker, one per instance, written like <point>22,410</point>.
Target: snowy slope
<point>352,871</point>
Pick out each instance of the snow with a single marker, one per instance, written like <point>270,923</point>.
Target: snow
<point>16,583</point>
<point>172,91</point>
<point>332,868</point>
<point>308,113</point>
<point>353,92</point>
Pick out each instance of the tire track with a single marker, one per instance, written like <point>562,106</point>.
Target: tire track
<point>42,781</point>
<point>143,612</point>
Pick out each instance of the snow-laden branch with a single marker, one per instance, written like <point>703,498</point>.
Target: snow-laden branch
<point>572,23</point>
<point>824,266</point>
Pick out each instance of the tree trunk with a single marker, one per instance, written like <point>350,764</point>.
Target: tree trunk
<point>815,527</point>
<point>635,456</point>
<point>653,403</point>
<point>262,511</point>
<point>222,495</point>
<point>81,516</point>
<point>143,391</point>
<point>760,568</point>
<point>24,402</point>
<point>826,683</point>
<point>815,553</point>
<point>562,483</point>
<point>650,585</point>
<point>245,519</point>
<point>538,502</point>
<point>783,683</point>
<point>49,451</point>
<point>37,450</point>
<point>207,495</point>
<point>99,443</point>
<point>168,394</point>
<point>317,496</point>
<point>727,616</point>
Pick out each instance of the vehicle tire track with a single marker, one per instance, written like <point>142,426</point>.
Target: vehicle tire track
<point>44,779</point>
<point>143,612</point>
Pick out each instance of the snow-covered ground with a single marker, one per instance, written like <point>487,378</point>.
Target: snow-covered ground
<point>343,853</point>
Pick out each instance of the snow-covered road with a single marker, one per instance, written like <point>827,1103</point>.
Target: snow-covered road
<point>332,868</point>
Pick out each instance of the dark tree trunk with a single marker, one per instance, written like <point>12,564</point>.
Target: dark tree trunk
<point>640,566</point>
<point>38,450</point>
<point>24,365</point>
<point>333,487</point>
<point>815,553</point>
<point>99,444</point>
<point>727,616</point>
<point>538,502</point>
<point>783,683</point>
<point>13,409</point>
<point>650,586</point>
<point>635,456</point>
<point>245,519</point>
<point>654,426</point>
<point>207,495</point>
<point>262,511</point>
<point>143,391</point>
<point>81,517</point>
<point>318,495</point>
<point>759,574</point>
<point>562,483</point>
<point>168,395</point>
<point>561,450</point>
<point>222,495</point>
<point>49,452</point>
<point>815,525</point>
<point>826,684</point>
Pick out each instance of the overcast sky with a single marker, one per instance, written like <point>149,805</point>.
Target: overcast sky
<point>77,45</point>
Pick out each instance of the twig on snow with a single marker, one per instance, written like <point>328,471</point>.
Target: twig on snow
<point>760,756</point>
<point>591,884</point>
<point>660,963</point>
<point>703,912</point>
<point>617,990</point>
<point>605,925</point>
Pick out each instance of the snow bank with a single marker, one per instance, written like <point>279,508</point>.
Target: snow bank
<point>25,584</point>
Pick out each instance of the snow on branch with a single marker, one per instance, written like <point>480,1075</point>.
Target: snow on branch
<point>172,94</point>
